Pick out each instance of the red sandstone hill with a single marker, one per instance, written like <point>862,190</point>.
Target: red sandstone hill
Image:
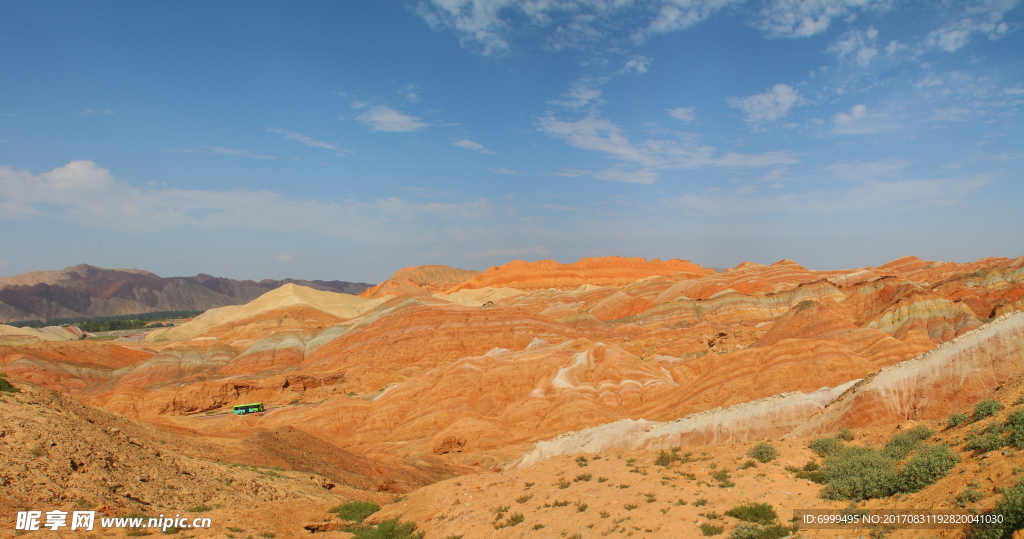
<point>420,280</point>
<point>603,271</point>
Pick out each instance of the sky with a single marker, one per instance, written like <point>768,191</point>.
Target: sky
<point>346,140</point>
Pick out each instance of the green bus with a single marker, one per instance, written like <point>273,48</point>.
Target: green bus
<point>242,409</point>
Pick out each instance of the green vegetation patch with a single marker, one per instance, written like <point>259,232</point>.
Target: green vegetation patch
<point>5,386</point>
<point>986,408</point>
<point>356,511</point>
<point>764,452</point>
<point>389,529</point>
<point>956,419</point>
<point>750,530</point>
<point>760,513</point>
<point>1011,507</point>
<point>709,529</point>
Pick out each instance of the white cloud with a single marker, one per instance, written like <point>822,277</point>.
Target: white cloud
<point>83,194</point>
<point>217,150</point>
<point>682,114</point>
<point>951,114</point>
<point>359,105</point>
<point>638,64</point>
<point>411,92</point>
<point>642,163</point>
<point>979,17</point>
<point>505,171</point>
<point>857,112</point>
<point>384,118</point>
<point>308,141</point>
<point>676,15</point>
<point>470,145</point>
<point>96,112</point>
<point>858,44</point>
<point>769,106</point>
<point>583,93</point>
<point>804,18</point>
<point>861,196</point>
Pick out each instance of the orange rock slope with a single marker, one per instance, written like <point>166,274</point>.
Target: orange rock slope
<point>474,376</point>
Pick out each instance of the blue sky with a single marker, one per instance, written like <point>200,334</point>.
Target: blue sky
<point>344,140</point>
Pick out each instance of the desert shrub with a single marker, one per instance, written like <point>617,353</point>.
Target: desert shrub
<point>630,506</point>
<point>764,452</point>
<point>929,463</point>
<point>902,443</point>
<point>810,471</point>
<point>700,502</point>
<point>711,529</point>
<point>956,419</point>
<point>858,473</point>
<point>750,530</point>
<point>969,496</point>
<point>761,513</point>
<point>986,408</point>
<point>357,511</point>
<point>1012,508</point>
<point>389,529</point>
<point>602,479</point>
<point>524,498</point>
<point>513,520</point>
<point>988,440</point>
<point>824,447</point>
<point>748,464</point>
<point>200,509</point>
<point>581,507</point>
<point>557,503</point>
<point>845,435</point>
<point>583,477</point>
<point>5,386</point>
<point>581,461</point>
<point>1015,424</point>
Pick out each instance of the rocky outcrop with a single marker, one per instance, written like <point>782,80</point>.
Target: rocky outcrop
<point>605,271</point>
<point>420,281</point>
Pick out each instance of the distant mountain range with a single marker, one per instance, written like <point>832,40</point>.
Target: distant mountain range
<point>85,290</point>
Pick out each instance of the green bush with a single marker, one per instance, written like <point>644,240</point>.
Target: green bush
<point>858,473</point>
<point>5,386</point>
<point>955,419</point>
<point>811,471</point>
<point>986,440</point>
<point>664,459</point>
<point>1011,507</point>
<point>986,408</point>
<point>929,463</point>
<point>389,529</point>
<point>901,444</point>
<point>750,530</point>
<point>845,435</point>
<point>1015,424</point>
<point>711,529</point>
<point>200,509</point>
<point>357,511</point>
<point>761,513</point>
<point>824,447</point>
<point>764,452</point>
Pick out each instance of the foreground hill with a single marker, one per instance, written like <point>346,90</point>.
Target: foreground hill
<point>85,290</point>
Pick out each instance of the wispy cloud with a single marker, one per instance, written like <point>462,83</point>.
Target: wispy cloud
<point>307,140</point>
<point>283,258</point>
<point>470,145</point>
<point>864,195</point>
<point>84,194</point>
<point>217,150</point>
<point>384,118</point>
<point>505,171</point>
<point>96,112</point>
<point>642,162</point>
